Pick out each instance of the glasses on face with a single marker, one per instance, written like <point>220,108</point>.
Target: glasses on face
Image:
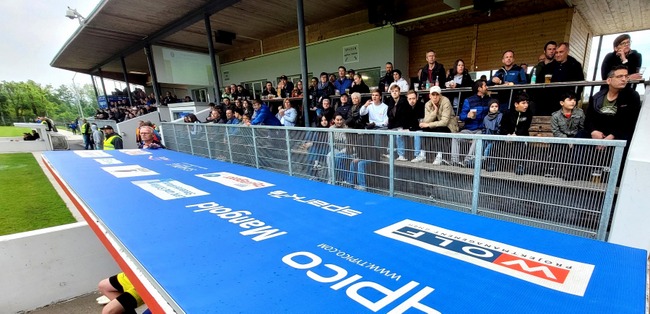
<point>625,43</point>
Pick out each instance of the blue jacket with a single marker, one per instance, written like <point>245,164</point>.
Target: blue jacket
<point>265,117</point>
<point>482,109</point>
<point>492,126</point>
<point>342,85</point>
<point>516,74</point>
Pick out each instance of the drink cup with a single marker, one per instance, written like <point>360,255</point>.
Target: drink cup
<point>641,70</point>
<point>547,78</point>
<point>347,91</point>
<point>416,86</point>
<point>337,93</point>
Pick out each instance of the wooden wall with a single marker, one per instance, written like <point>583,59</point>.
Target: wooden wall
<point>482,46</point>
<point>580,40</point>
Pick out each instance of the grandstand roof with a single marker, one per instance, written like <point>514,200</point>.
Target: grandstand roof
<point>121,27</point>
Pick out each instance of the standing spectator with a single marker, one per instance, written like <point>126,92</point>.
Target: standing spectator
<point>459,77</point>
<point>342,84</point>
<point>269,91</point>
<point>565,69</point>
<point>98,137</point>
<point>622,55</point>
<point>474,110</point>
<point>86,132</point>
<point>285,86</point>
<point>547,57</point>
<point>387,79</point>
<point>432,72</point>
<point>227,93</point>
<point>510,73</point>
<point>111,139</point>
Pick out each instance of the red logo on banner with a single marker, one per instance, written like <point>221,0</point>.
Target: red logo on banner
<point>533,268</point>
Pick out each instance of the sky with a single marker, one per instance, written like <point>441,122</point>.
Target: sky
<point>32,32</point>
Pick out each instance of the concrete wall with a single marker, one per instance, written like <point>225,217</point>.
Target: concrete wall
<point>631,221</point>
<point>375,48</point>
<point>49,265</point>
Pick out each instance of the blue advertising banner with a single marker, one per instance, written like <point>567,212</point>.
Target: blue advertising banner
<point>222,238</point>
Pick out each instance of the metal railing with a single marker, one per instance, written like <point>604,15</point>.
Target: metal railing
<point>567,185</point>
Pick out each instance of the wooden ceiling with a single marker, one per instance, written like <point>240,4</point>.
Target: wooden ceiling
<point>120,27</point>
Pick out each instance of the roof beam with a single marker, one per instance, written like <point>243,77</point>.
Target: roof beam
<point>171,28</point>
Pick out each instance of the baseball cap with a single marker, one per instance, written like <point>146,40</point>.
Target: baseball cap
<point>106,127</point>
<point>435,89</point>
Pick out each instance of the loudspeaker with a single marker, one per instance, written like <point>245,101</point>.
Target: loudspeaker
<point>483,5</point>
<point>382,12</point>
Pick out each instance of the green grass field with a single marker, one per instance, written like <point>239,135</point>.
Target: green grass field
<point>28,200</point>
<point>12,131</point>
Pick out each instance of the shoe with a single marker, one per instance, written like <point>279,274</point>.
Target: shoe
<point>360,188</point>
<point>401,158</point>
<point>520,170</point>
<point>458,164</point>
<point>438,160</point>
<point>103,300</point>
<point>468,163</point>
<point>385,156</point>
<point>491,167</point>
<point>420,158</point>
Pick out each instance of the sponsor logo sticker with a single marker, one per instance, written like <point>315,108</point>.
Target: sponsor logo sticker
<point>185,166</point>
<point>169,189</point>
<point>235,181</point>
<point>545,270</point>
<point>92,153</point>
<point>134,152</point>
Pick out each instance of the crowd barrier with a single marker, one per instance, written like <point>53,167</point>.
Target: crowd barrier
<point>567,185</point>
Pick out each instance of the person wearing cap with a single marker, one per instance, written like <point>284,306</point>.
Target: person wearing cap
<point>438,117</point>
<point>112,140</point>
<point>622,55</point>
<point>285,87</point>
<point>342,83</point>
<point>474,110</point>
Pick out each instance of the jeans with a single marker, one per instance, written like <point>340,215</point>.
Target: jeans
<point>360,169</point>
<point>417,147</point>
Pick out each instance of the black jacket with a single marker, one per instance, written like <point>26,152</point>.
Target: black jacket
<point>398,113</point>
<point>622,124</point>
<point>611,60</point>
<point>438,72</point>
<point>516,122</point>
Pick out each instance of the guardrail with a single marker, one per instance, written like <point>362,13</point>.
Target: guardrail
<point>566,185</point>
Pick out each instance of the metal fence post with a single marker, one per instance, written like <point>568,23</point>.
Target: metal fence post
<point>391,165</point>
<point>229,148</point>
<point>257,160</point>
<point>286,136</point>
<point>175,137</point>
<point>331,171</point>
<point>609,194</point>
<point>476,183</point>
<point>207,141</point>
<point>189,139</point>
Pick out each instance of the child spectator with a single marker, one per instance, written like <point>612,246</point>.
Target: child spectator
<point>492,123</point>
<point>570,120</point>
<point>517,122</point>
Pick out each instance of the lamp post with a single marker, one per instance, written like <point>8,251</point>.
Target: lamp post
<point>73,14</point>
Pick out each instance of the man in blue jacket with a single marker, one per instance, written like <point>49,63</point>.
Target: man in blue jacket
<point>475,108</point>
<point>263,115</point>
<point>510,73</point>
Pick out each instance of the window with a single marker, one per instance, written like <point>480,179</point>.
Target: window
<point>255,87</point>
<point>370,76</point>
<point>200,95</point>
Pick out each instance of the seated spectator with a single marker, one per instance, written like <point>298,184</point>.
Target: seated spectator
<point>359,86</point>
<point>31,136</point>
<point>342,84</point>
<point>492,123</point>
<point>239,115</point>
<point>243,93</point>
<point>263,115</point>
<point>376,110</point>
<point>399,81</point>
<point>355,120</point>
<point>121,293</point>
<point>215,117</point>
<point>297,91</point>
<point>516,122</point>
<point>510,73</point>
<point>324,88</point>
<point>169,99</point>
<point>340,148</point>
<point>438,117</point>
<point>316,145</point>
<point>269,91</point>
<point>474,110</point>
<point>570,120</point>
<point>287,115</point>
<point>413,121</point>
<point>399,112</point>
<point>188,99</point>
<point>327,110</point>
<point>148,139</point>
<point>231,118</point>
<point>344,107</point>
